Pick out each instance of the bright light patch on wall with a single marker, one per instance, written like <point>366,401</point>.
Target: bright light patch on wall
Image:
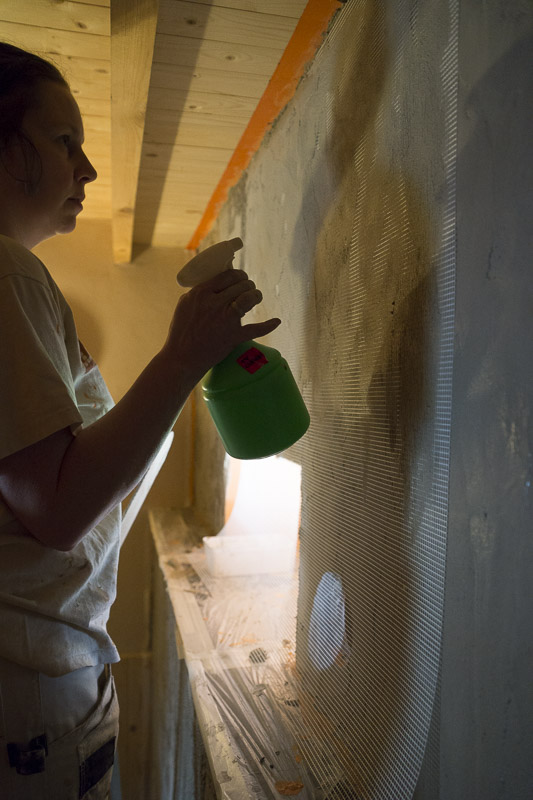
<point>261,533</point>
<point>327,623</point>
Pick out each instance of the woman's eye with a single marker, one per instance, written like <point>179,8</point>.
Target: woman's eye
<point>65,139</point>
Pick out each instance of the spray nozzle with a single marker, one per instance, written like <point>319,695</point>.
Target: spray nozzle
<point>209,263</point>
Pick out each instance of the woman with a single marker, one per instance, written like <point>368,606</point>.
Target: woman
<point>67,455</point>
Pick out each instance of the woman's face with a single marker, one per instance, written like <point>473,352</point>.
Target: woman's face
<point>55,195</point>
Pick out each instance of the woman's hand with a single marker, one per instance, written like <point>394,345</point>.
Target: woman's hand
<point>206,324</point>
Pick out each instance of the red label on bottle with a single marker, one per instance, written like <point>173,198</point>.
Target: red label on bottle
<point>252,360</point>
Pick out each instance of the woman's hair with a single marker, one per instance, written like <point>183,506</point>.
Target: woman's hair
<point>20,75</point>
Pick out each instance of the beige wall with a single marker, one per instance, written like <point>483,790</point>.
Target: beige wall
<point>122,314</point>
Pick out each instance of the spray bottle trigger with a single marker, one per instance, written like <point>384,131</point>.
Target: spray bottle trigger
<point>209,263</point>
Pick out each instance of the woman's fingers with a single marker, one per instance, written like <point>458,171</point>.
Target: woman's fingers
<point>257,329</point>
<point>206,324</point>
<point>234,288</point>
<point>224,280</point>
<point>246,301</point>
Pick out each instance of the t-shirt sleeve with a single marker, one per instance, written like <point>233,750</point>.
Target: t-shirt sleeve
<point>37,395</point>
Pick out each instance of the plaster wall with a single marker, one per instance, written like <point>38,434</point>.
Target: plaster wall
<point>122,314</point>
<point>486,740</point>
<point>385,218</point>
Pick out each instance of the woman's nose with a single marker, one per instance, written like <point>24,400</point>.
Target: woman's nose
<point>86,171</point>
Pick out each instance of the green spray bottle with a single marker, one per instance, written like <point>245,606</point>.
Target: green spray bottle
<point>251,395</point>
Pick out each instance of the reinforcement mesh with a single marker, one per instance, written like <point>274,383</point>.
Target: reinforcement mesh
<point>348,221</point>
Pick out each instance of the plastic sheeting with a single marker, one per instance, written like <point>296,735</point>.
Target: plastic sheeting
<point>238,637</point>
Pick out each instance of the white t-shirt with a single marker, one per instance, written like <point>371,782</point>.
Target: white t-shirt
<point>54,605</point>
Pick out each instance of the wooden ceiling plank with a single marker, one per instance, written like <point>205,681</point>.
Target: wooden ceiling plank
<point>104,3</point>
<point>101,162</point>
<point>216,81</point>
<point>93,123</point>
<point>197,195</point>
<point>213,23</point>
<point>98,151</point>
<point>98,142</point>
<point>171,229</point>
<point>172,234</point>
<point>174,181</point>
<point>89,78</point>
<point>186,52</point>
<point>100,212</point>
<point>53,44</point>
<point>175,156</point>
<point>284,8</point>
<point>193,129</point>
<point>99,192</point>
<point>83,17</point>
<point>95,107</point>
<point>204,176</point>
<point>202,103</point>
<point>185,171</point>
<point>182,181</point>
<point>98,203</point>
<point>133,27</point>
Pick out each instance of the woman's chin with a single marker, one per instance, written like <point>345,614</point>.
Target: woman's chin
<point>67,225</point>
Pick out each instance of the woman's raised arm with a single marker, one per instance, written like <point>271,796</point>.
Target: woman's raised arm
<point>60,487</point>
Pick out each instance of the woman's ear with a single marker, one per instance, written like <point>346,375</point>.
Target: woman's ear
<point>20,163</point>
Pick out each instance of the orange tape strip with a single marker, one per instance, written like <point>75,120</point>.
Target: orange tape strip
<point>300,50</point>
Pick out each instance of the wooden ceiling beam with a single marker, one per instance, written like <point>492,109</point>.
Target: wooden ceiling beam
<point>133,29</point>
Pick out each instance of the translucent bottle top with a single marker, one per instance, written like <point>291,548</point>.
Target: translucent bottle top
<point>209,263</point>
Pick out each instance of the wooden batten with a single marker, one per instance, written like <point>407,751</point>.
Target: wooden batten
<point>133,28</point>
